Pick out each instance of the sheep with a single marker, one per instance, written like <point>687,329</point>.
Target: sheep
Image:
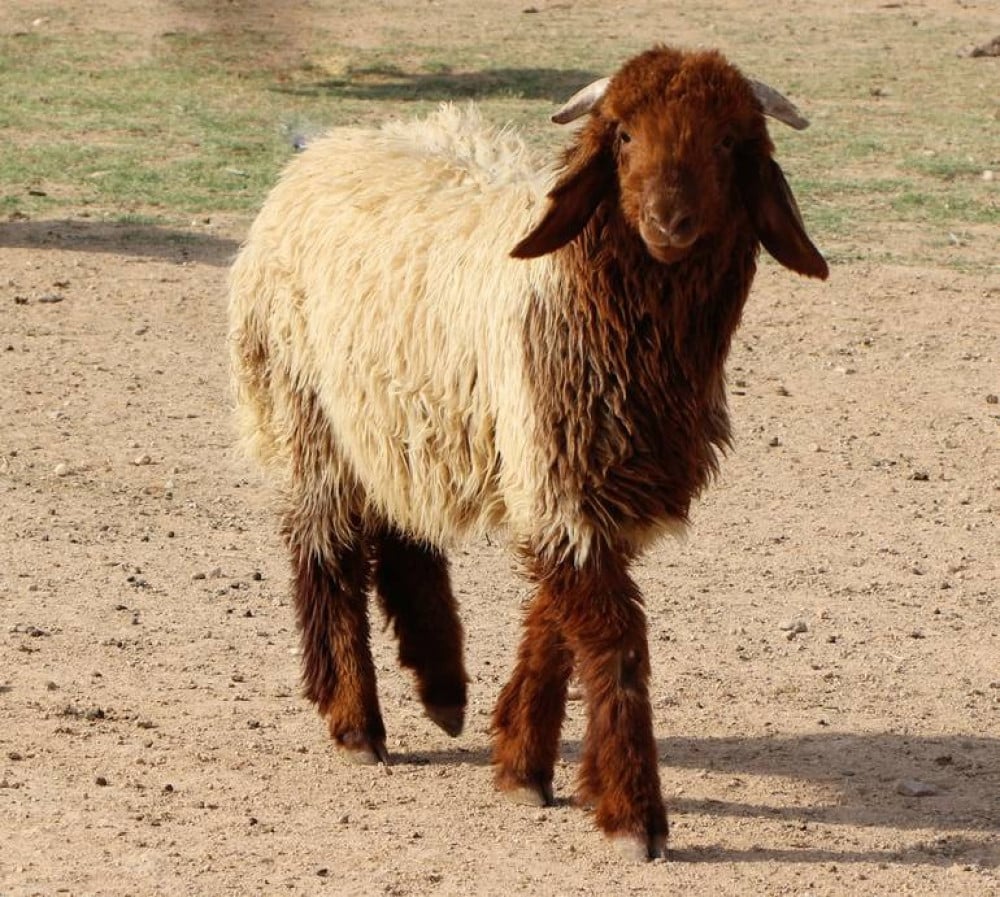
<point>433,337</point>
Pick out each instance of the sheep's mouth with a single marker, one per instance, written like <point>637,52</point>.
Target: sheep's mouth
<point>668,253</point>
<point>666,245</point>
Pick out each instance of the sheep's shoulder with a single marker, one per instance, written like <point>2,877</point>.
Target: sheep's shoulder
<point>456,138</point>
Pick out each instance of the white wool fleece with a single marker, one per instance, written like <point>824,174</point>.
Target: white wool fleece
<point>377,278</point>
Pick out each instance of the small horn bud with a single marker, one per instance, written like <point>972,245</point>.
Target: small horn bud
<point>778,106</point>
<point>581,102</point>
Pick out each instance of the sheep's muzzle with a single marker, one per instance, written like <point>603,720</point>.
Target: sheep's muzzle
<point>669,227</point>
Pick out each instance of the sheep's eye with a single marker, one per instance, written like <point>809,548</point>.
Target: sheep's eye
<point>727,143</point>
<point>624,136</point>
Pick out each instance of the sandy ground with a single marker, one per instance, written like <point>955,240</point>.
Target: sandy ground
<point>825,640</point>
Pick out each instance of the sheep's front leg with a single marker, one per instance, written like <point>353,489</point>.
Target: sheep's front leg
<point>602,620</point>
<point>413,586</point>
<point>529,712</point>
<point>337,669</point>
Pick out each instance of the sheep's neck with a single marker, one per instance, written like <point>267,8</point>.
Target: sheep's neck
<point>693,305</point>
<point>628,370</point>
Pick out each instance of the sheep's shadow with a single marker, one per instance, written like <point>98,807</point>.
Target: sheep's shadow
<point>119,238</point>
<point>950,850</point>
<point>861,771</point>
<point>389,82</point>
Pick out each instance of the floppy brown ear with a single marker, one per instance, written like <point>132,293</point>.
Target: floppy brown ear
<point>572,201</point>
<point>776,219</point>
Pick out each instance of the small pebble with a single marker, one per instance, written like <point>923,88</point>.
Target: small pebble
<point>774,441</point>
<point>988,175</point>
<point>794,629</point>
<point>992,399</point>
<point>62,469</point>
<point>101,781</point>
<point>914,788</point>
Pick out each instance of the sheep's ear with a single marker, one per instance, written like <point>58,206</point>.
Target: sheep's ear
<point>572,201</point>
<point>776,219</point>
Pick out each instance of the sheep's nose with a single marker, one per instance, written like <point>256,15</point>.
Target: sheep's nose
<point>682,227</point>
<point>679,227</point>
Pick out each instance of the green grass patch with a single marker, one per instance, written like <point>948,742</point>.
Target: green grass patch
<point>196,121</point>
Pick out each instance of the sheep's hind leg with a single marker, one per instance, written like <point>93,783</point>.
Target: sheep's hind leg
<point>337,669</point>
<point>601,615</point>
<point>413,586</point>
<point>529,712</point>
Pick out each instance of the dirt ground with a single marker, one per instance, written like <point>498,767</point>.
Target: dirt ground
<point>825,642</point>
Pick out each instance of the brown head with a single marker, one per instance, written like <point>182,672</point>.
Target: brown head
<point>679,142</point>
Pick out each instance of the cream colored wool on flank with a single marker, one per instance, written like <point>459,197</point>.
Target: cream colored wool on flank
<point>377,277</point>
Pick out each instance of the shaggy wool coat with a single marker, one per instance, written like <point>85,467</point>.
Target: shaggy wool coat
<point>390,357</point>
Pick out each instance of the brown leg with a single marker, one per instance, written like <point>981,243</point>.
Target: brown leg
<point>337,670</point>
<point>415,592</point>
<point>601,617</point>
<point>331,574</point>
<point>529,712</point>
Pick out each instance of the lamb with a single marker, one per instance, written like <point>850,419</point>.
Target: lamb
<point>433,337</point>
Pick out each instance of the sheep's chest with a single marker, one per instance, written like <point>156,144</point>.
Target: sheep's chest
<point>630,398</point>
